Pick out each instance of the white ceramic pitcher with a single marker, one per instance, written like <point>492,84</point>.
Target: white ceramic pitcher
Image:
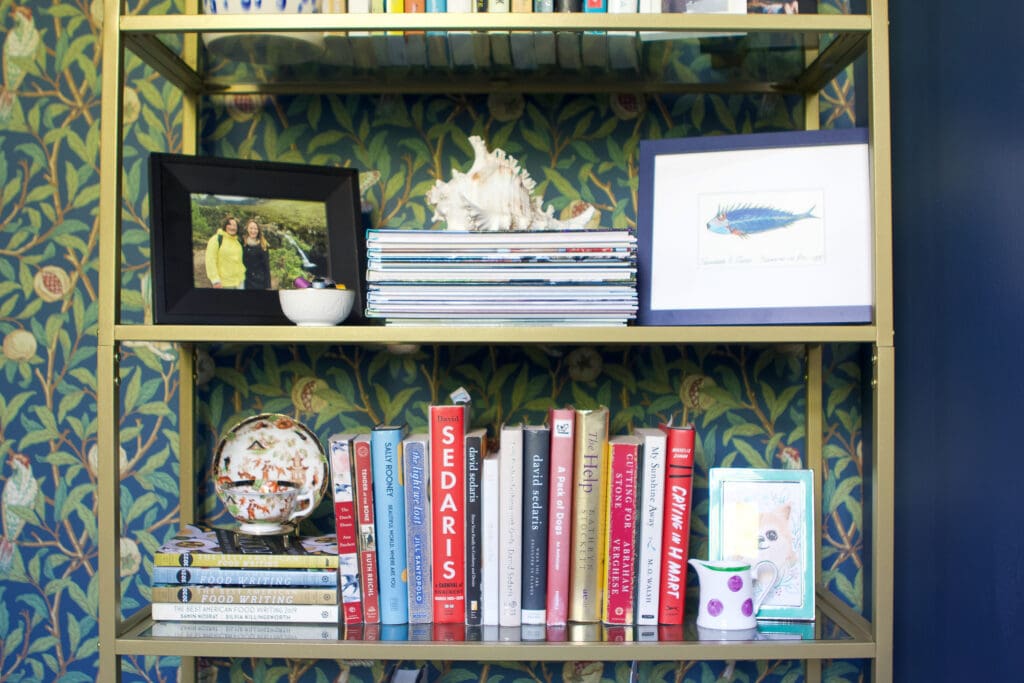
<point>727,592</point>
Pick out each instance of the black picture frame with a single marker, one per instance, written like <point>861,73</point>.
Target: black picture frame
<point>175,179</point>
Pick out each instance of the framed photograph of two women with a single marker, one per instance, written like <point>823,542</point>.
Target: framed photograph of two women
<point>228,233</point>
<point>757,229</point>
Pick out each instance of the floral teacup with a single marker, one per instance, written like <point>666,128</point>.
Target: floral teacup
<point>265,507</point>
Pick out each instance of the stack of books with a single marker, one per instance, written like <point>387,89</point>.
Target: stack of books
<point>563,277</point>
<point>208,580</point>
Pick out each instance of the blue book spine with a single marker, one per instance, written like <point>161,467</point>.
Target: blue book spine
<point>417,532</point>
<point>437,5</point>
<point>216,576</point>
<point>595,5</point>
<point>389,510</point>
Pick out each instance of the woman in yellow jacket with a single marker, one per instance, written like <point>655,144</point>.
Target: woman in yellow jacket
<point>224,265</point>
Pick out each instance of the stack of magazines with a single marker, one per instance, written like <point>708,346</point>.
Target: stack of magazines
<point>549,277</point>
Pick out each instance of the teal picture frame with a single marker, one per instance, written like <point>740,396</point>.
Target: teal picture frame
<point>767,514</point>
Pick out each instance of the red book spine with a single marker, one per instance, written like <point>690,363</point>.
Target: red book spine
<point>448,505</point>
<point>562,422</point>
<point>675,544</point>
<point>367,535</point>
<point>621,529</point>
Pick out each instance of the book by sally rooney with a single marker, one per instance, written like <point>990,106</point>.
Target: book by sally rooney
<point>389,510</point>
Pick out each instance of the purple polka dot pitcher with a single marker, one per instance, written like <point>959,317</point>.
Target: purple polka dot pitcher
<point>727,599</point>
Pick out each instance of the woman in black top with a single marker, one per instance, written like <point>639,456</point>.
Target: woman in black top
<point>256,257</point>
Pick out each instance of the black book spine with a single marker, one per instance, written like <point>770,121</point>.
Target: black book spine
<point>536,465</point>
<point>474,528</point>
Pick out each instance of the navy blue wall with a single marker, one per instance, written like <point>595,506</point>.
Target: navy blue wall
<point>958,147</point>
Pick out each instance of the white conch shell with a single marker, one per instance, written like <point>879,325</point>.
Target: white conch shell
<point>495,194</point>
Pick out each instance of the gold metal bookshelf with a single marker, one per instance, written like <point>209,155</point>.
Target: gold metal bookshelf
<point>170,44</point>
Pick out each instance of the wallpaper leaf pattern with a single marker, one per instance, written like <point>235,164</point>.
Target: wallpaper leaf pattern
<point>746,401</point>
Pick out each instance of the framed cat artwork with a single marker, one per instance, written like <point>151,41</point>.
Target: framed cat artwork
<point>766,514</point>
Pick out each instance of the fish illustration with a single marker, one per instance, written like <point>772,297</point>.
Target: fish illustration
<point>748,219</point>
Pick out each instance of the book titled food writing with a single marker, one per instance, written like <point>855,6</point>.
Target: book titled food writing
<point>620,530</point>
<point>389,510</point>
<point>476,448</point>
<point>199,545</point>
<point>562,423</point>
<point>238,595</point>
<point>536,473</point>
<point>650,505</point>
<point>362,474</point>
<point>415,454</point>
<point>675,538</point>
<point>589,472</point>
<point>340,453</point>
<point>447,424</point>
<point>218,576</point>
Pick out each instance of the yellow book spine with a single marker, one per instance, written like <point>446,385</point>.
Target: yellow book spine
<point>588,515</point>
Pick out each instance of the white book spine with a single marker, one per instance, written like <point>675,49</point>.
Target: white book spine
<point>623,6</point>
<point>650,503</point>
<point>490,497</point>
<point>278,614</point>
<point>510,481</point>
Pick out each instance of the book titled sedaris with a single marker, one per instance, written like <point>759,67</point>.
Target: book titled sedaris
<point>447,426</point>
<point>200,545</point>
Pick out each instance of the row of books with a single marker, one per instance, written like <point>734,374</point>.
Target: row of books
<point>572,277</point>
<point>560,524</point>
<point>609,6</point>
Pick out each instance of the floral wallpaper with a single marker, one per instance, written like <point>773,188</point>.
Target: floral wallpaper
<point>746,401</point>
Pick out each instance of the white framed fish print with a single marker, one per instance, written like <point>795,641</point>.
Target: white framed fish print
<point>756,229</point>
<point>757,514</point>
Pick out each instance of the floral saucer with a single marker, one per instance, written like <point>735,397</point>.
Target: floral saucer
<point>272,447</point>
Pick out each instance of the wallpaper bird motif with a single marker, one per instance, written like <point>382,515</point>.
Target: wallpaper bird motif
<point>746,401</point>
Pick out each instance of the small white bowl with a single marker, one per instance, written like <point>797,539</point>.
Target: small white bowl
<point>264,48</point>
<point>316,307</point>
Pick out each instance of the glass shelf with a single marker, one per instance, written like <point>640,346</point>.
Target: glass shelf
<point>823,638</point>
<point>481,53</point>
<point>382,334</point>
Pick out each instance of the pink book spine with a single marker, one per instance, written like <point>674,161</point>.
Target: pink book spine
<point>345,527</point>
<point>621,529</point>
<point>562,423</point>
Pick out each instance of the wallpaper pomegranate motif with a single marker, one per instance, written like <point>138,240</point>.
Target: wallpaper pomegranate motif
<point>746,401</point>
